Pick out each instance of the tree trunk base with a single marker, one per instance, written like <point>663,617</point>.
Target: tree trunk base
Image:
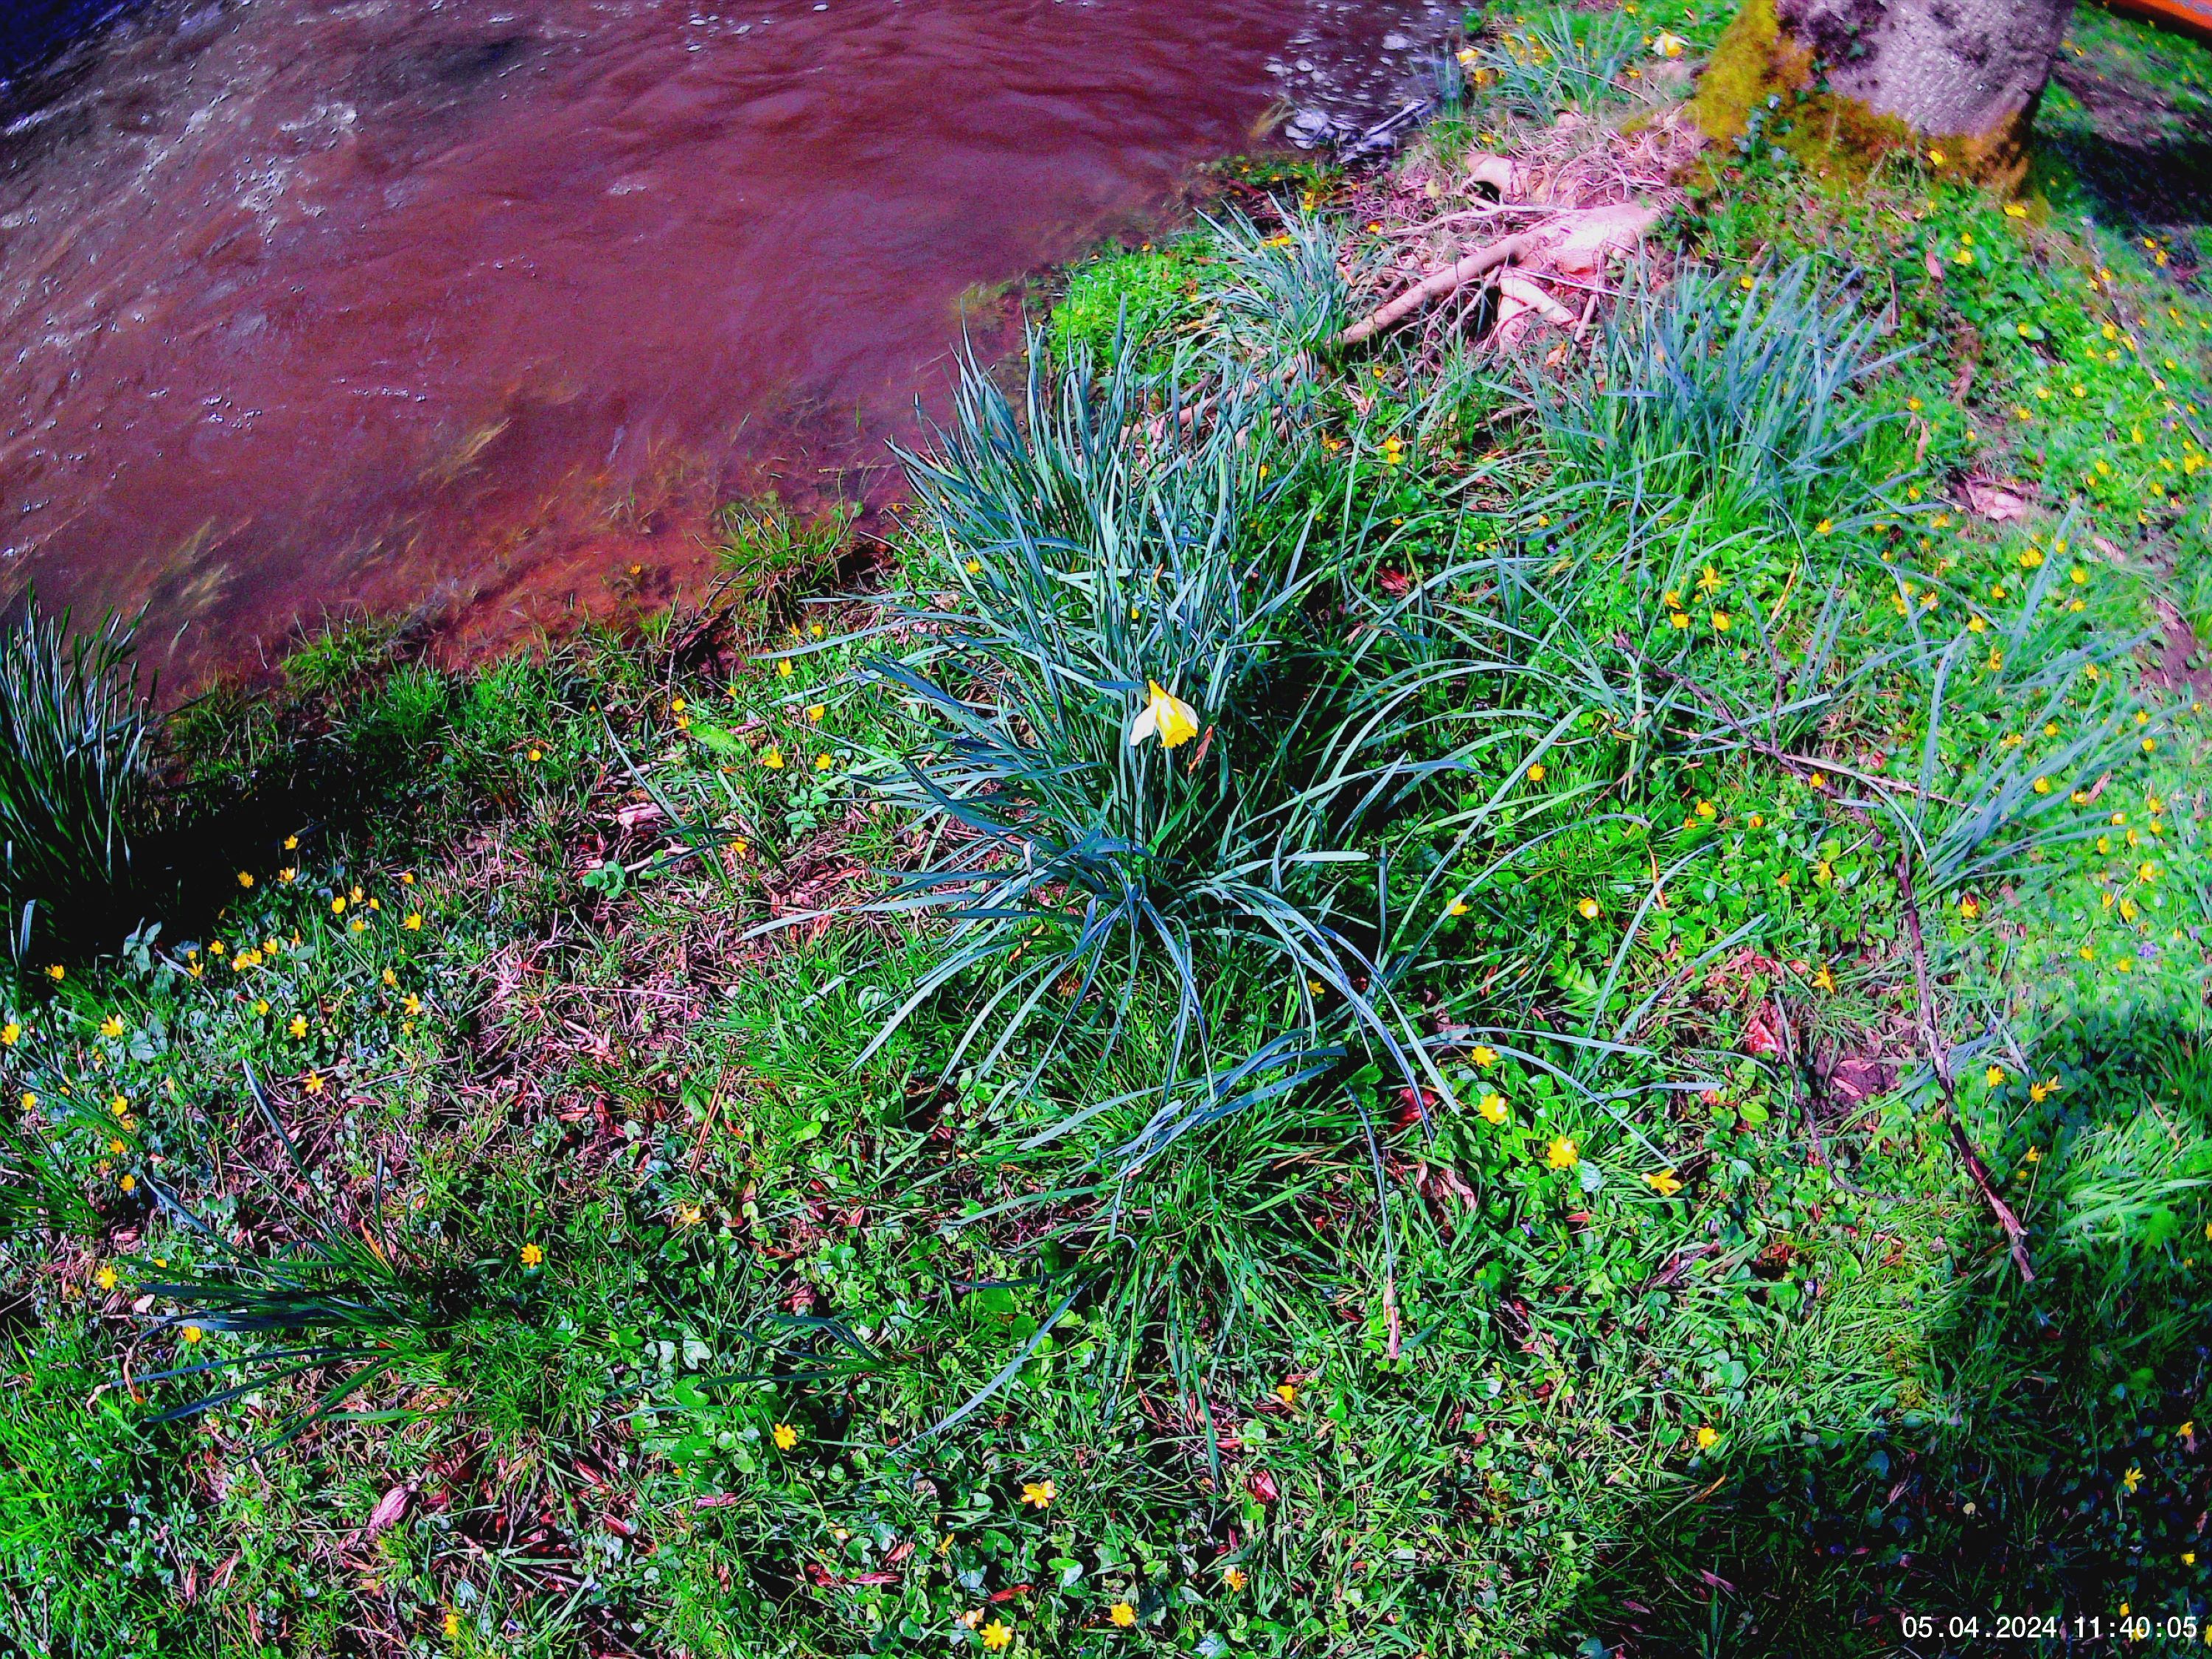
<point>1764,86</point>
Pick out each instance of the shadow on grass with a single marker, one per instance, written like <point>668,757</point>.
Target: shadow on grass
<point>2063,1463</point>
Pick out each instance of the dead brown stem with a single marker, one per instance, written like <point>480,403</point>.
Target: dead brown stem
<point>1939,1057</point>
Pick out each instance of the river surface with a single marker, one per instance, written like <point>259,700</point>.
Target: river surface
<point>474,309</point>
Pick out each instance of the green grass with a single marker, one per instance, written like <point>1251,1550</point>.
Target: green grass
<point>708,1293</point>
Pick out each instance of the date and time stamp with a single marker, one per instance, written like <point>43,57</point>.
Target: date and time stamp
<point>1942,1631</point>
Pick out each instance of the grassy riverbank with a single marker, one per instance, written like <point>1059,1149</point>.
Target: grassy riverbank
<point>776,1129</point>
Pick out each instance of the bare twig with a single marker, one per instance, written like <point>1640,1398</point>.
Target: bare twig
<point>1435,288</point>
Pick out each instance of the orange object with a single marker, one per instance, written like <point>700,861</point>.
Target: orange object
<point>2192,17</point>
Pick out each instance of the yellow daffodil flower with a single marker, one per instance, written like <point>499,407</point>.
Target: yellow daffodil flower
<point>1165,716</point>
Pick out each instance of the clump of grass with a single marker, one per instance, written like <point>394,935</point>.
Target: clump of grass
<point>772,556</point>
<point>1560,61</point>
<point>1118,574</point>
<point>357,1298</point>
<point>73,774</point>
<point>1734,387</point>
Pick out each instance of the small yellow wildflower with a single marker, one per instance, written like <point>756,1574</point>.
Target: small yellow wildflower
<point>10,1035</point>
<point>1122,1614</point>
<point>105,1278</point>
<point>1663,1182</point>
<point>193,1333</point>
<point>2132,1478</point>
<point>532,1256</point>
<point>1493,1107</point>
<point>112,1026</point>
<point>1587,909</point>
<point>1038,1492</point>
<point>1287,1393</point>
<point>1708,1438</point>
<point>785,1437</point>
<point>998,1634</point>
<point>1234,1578</point>
<point>56,973</point>
<point>771,758</point>
<point>1536,773</point>
<point>1561,1153</point>
<point>1456,908</point>
<point>452,1626</point>
<point>1484,1054</point>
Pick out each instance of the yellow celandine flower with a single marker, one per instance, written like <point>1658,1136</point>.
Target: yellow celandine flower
<point>1536,773</point>
<point>1484,1055</point>
<point>339,905</point>
<point>1970,906</point>
<point>1493,1107</point>
<point>56,973</point>
<point>771,758</point>
<point>975,567</point>
<point>298,1028</point>
<point>1234,1578</point>
<point>105,1278</point>
<point>1038,1492</point>
<point>1707,811</point>
<point>1561,1153</point>
<point>785,1437</point>
<point>312,1082</point>
<point>816,710</point>
<point>1994,1076</point>
<point>532,1256</point>
<point>129,1183</point>
<point>536,754</point>
<point>2040,1092</point>
<point>1588,908</point>
<point>112,1026</point>
<point>193,1333</point>
<point>452,1626</point>
<point>690,1215</point>
<point>1164,716</point>
<point>1663,1182</point>
<point>2132,1478</point>
<point>414,1005</point>
<point>1825,979</point>
<point>10,1035</point>
<point>1287,1393</point>
<point>1721,621</point>
<point>120,1105</point>
<point>1456,908</point>
<point>1122,1614</point>
<point>822,762</point>
<point>998,1634</point>
<point>2042,786</point>
<point>291,843</point>
<point>30,1101</point>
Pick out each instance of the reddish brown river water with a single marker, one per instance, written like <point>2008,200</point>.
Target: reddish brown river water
<point>476,307</point>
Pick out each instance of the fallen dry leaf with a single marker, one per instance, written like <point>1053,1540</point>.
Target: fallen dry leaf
<point>1998,499</point>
